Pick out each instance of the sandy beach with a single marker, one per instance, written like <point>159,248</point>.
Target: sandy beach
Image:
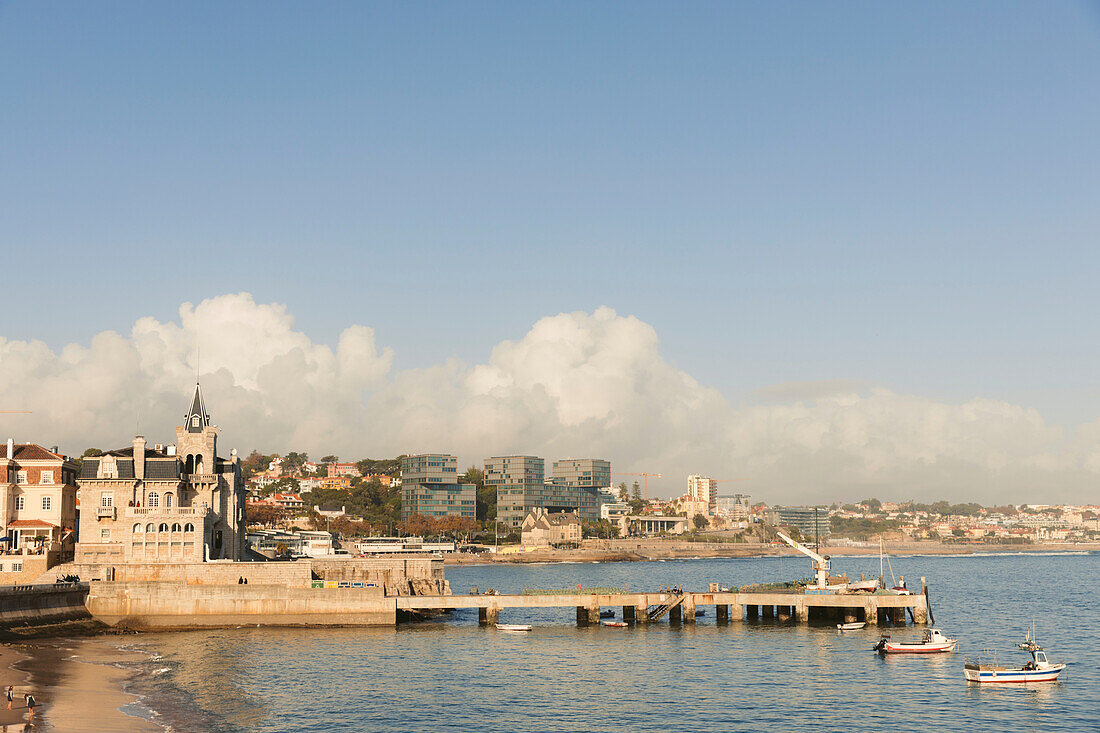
<point>75,683</point>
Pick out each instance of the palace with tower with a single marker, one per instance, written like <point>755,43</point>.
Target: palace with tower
<point>177,503</point>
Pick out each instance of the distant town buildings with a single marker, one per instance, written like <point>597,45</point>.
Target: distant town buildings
<point>343,469</point>
<point>736,508</point>
<point>429,487</point>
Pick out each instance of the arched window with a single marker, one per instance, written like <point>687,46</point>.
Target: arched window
<point>138,529</point>
<point>153,500</point>
<point>198,464</point>
<point>188,527</point>
<point>176,527</point>
<point>169,500</point>
<point>189,464</point>
<point>163,527</point>
<point>150,528</point>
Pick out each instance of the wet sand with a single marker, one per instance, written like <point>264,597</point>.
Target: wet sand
<point>75,684</point>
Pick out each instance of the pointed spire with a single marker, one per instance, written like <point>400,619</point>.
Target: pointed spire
<point>198,410</point>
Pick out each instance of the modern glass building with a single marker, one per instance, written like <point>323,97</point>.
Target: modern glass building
<point>522,486</point>
<point>591,473</point>
<point>519,482</point>
<point>429,486</point>
<point>812,522</point>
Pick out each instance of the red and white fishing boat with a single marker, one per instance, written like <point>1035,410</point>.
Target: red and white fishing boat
<point>616,624</point>
<point>933,642</point>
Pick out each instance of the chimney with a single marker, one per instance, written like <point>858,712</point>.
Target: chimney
<point>54,449</point>
<point>171,450</point>
<point>139,458</point>
<point>11,448</point>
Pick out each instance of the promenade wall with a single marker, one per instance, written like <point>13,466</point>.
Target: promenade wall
<point>154,605</point>
<point>297,574</point>
<point>32,605</point>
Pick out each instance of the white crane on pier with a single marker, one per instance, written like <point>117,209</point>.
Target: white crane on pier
<point>821,562</point>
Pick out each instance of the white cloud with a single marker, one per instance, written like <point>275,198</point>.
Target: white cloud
<point>576,384</point>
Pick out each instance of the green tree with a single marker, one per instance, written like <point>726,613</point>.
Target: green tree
<point>486,495</point>
<point>636,492</point>
<point>700,522</point>
<point>293,462</point>
<point>624,495</point>
<point>330,459</point>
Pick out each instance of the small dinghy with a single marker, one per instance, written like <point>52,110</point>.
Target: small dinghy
<point>854,625</point>
<point>514,628</point>
<point>933,642</point>
<point>616,624</point>
<point>1039,669</point>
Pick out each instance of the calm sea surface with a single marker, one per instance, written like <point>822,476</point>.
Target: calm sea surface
<point>767,675</point>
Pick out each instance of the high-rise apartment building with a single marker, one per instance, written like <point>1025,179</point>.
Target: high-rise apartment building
<point>704,489</point>
<point>575,486</point>
<point>429,486</point>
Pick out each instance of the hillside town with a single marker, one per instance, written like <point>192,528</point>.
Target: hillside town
<point>182,502</point>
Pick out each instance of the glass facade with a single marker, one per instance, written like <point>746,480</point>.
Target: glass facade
<point>429,486</point>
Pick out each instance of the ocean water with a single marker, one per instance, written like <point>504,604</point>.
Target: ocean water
<point>453,675</point>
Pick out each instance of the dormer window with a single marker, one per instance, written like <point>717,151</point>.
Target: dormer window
<point>195,421</point>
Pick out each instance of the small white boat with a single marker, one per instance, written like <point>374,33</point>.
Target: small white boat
<point>616,624</point>
<point>852,626</point>
<point>863,586</point>
<point>1039,669</point>
<point>515,628</point>
<point>933,642</point>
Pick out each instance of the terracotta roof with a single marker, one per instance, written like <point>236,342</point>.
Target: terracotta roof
<point>28,452</point>
<point>32,524</point>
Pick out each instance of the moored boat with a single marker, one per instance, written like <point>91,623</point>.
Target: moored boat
<point>933,642</point>
<point>852,626</point>
<point>616,624</point>
<point>514,627</point>
<point>1039,669</point>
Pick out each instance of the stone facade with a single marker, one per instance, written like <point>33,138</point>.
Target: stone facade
<point>170,504</point>
<point>542,528</point>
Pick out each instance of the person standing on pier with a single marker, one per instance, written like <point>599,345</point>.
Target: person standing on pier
<point>11,695</point>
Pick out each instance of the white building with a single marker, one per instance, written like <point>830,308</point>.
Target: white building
<point>704,489</point>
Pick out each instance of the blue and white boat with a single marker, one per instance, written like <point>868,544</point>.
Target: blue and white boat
<point>1039,669</point>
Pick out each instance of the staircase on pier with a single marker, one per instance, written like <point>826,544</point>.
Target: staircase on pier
<point>658,612</point>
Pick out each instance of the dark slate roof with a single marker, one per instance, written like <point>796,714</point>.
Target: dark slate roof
<point>162,469</point>
<point>128,452</point>
<point>197,409</point>
<point>125,468</point>
<point>90,468</point>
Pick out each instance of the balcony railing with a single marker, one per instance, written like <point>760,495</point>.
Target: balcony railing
<point>105,511</point>
<point>202,478</point>
<point>175,511</point>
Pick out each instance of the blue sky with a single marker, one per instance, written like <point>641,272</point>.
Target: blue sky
<point>900,195</point>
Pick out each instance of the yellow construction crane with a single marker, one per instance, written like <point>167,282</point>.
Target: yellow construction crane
<point>645,480</point>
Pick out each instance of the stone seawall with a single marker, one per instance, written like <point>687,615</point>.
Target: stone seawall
<point>33,605</point>
<point>167,605</point>
<point>415,575</point>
